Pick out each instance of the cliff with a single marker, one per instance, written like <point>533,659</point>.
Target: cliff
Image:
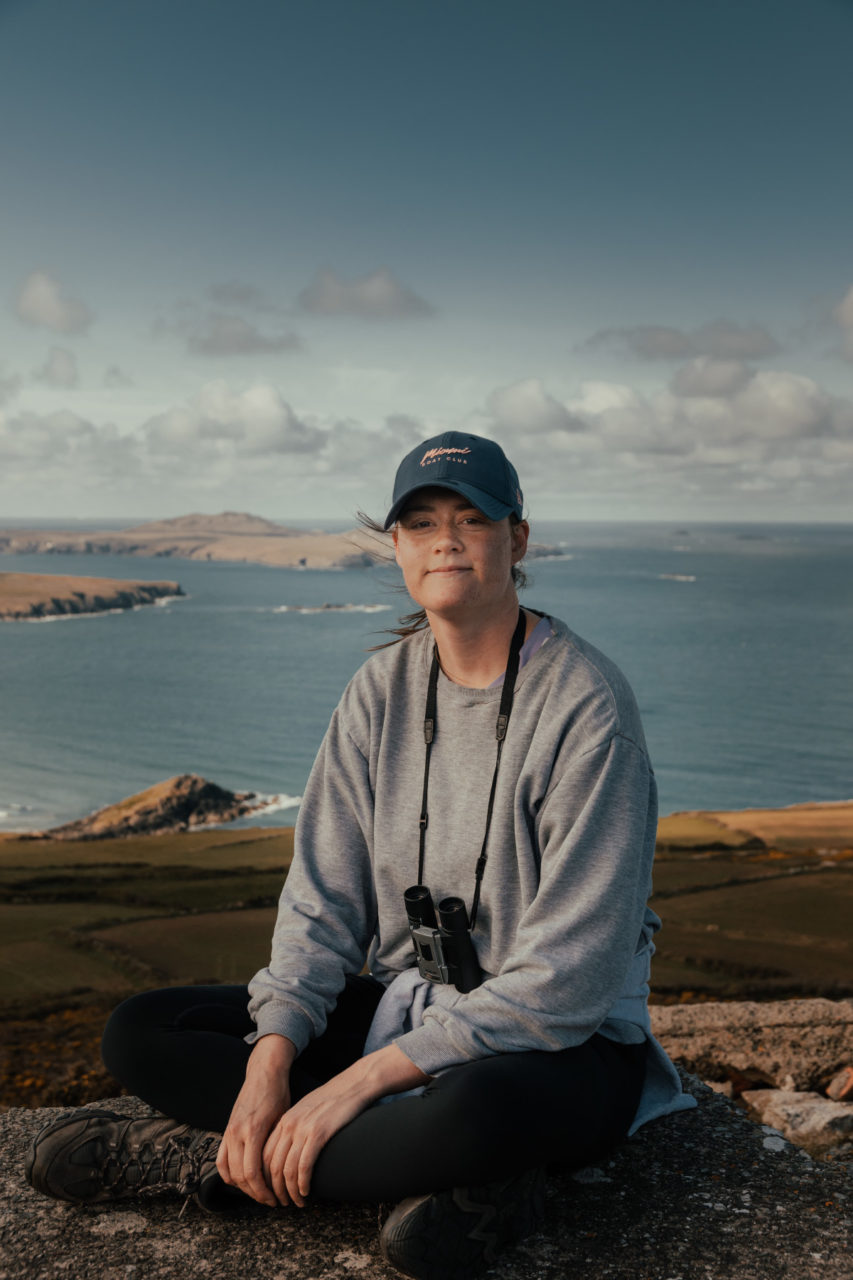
<point>178,804</point>
<point>27,596</point>
<point>702,1194</point>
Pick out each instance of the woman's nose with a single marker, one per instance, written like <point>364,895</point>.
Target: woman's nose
<point>447,535</point>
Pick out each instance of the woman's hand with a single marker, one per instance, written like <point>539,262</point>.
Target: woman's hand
<point>292,1148</point>
<point>263,1100</point>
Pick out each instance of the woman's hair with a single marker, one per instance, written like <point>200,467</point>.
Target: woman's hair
<point>408,624</point>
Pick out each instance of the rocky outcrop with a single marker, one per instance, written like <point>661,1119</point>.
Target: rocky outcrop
<point>29,596</point>
<point>178,804</point>
<point>786,1044</point>
<point>823,1127</point>
<point>702,1194</point>
<point>797,1051</point>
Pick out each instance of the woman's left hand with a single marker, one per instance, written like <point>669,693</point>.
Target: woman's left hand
<point>292,1148</point>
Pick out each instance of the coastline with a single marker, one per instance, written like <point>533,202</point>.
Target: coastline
<point>43,597</point>
<point>229,538</point>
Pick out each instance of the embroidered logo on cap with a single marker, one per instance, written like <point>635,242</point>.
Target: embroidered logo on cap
<point>433,455</point>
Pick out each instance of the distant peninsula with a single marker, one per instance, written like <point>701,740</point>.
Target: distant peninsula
<point>229,536</point>
<point>26,597</point>
<point>181,803</point>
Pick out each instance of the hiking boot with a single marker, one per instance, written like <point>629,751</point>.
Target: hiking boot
<point>452,1235</point>
<point>91,1157</point>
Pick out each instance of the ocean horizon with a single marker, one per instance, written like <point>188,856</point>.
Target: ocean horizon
<point>736,639</point>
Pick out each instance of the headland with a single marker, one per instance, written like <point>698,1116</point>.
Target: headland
<point>231,536</point>
<point>31,596</point>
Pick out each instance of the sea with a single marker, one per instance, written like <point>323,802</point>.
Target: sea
<point>738,641</point>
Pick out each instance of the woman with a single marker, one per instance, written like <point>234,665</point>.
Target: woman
<point>489,755</point>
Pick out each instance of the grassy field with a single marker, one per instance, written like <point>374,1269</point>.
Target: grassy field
<point>84,923</point>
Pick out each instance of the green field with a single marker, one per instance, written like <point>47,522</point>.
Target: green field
<point>191,902</point>
<point>85,923</point>
<point>767,928</point>
<point>88,919</point>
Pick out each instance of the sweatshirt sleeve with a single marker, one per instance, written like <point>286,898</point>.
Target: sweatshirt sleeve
<point>327,909</point>
<point>575,941</point>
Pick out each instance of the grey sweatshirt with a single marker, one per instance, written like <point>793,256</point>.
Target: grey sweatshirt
<point>563,933</point>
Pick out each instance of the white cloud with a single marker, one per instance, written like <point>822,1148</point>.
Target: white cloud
<point>716,430</point>
<point>41,302</point>
<point>219,422</point>
<point>65,446</point>
<point>705,376</point>
<point>377,296</point>
<point>59,369</point>
<point>527,406</point>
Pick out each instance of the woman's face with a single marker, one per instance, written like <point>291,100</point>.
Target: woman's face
<point>454,559</point>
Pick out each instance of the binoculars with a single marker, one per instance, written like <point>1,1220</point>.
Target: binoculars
<point>443,946</point>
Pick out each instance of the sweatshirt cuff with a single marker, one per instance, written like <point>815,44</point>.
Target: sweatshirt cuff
<point>429,1049</point>
<point>275,1018</point>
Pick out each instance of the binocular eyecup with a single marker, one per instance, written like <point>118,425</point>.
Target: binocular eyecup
<point>443,946</point>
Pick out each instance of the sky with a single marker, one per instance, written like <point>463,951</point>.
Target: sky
<point>253,251</point>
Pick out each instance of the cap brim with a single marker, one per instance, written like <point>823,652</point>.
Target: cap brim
<point>484,502</point>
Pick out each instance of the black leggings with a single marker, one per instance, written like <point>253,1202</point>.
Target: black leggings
<point>182,1051</point>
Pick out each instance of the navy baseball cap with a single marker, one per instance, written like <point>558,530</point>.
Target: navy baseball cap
<point>471,465</point>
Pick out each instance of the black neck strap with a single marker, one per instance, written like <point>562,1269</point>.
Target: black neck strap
<point>430,715</point>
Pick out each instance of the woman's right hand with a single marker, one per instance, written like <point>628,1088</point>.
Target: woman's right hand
<point>262,1101</point>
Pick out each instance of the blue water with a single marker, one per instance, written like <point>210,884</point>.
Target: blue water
<point>742,664</point>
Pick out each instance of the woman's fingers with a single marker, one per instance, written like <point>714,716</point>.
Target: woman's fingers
<point>240,1164</point>
<point>275,1153</point>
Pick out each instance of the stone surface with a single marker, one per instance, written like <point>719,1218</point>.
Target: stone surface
<point>704,1195</point>
<point>840,1087</point>
<point>790,1044</point>
<point>823,1127</point>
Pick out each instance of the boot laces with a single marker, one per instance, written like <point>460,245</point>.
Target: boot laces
<point>170,1164</point>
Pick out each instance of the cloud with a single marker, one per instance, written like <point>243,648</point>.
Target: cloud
<point>723,340</point>
<point>526,406</point>
<point>648,341</point>
<point>221,423</point>
<point>843,316</point>
<point>115,378</point>
<point>236,293</point>
<point>220,333</point>
<point>65,446</point>
<point>705,376</point>
<point>717,430</point>
<point>718,340</point>
<point>230,335</point>
<point>41,302</point>
<point>59,369</point>
<point>378,296</point>
<point>10,385</point>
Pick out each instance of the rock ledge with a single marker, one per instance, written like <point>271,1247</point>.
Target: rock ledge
<point>703,1195</point>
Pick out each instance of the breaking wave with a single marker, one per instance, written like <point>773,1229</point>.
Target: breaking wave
<point>278,804</point>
